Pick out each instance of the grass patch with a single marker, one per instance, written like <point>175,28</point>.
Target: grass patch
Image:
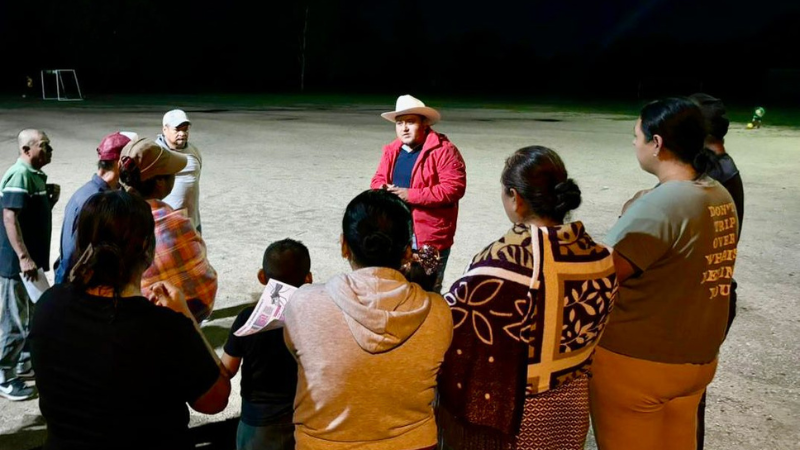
<point>625,109</point>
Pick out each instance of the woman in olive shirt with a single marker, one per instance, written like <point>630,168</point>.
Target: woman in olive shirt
<point>674,249</point>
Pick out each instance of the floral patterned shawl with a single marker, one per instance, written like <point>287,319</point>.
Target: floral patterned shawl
<point>527,314</point>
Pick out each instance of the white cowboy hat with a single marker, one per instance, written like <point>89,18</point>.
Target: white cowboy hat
<point>407,104</point>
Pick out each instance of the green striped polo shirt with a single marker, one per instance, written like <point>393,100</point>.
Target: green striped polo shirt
<point>24,189</point>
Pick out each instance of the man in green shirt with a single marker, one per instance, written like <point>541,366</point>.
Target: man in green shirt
<point>27,202</point>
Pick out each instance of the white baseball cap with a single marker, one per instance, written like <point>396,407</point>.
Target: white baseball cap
<point>130,135</point>
<point>175,118</point>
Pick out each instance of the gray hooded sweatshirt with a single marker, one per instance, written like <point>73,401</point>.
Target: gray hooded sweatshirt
<point>368,345</point>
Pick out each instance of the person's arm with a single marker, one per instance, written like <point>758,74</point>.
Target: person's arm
<point>215,399</point>
<point>452,182</point>
<point>633,199</point>
<point>235,347</point>
<point>182,194</point>
<point>641,236</point>
<point>187,252</point>
<point>53,194</point>
<point>380,179</point>
<point>289,316</point>
<point>231,363</point>
<point>69,238</point>
<point>624,268</point>
<point>287,339</point>
<point>14,232</point>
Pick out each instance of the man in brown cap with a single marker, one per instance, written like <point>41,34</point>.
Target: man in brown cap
<point>180,256</point>
<point>106,178</point>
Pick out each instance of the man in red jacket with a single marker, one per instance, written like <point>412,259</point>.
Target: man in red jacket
<point>427,171</point>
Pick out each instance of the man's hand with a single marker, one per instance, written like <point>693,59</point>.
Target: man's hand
<point>53,193</point>
<point>28,268</point>
<point>398,191</point>
<point>167,295</point>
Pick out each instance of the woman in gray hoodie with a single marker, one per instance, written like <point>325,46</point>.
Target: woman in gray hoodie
<point>368,343</point>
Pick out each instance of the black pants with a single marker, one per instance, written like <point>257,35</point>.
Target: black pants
<point>701,409</point>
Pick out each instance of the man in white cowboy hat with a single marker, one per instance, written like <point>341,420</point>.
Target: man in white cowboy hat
<point>186,192</point>
<point>427,171</point>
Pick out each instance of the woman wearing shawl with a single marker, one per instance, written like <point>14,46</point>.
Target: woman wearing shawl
<point>527,315</point>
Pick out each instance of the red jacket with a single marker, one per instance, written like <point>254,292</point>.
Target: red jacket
<point>438,181</point>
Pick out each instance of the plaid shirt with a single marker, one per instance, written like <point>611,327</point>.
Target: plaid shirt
<point>181,260</point>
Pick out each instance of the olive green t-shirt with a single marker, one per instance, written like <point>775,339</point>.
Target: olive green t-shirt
<point>682,237</point>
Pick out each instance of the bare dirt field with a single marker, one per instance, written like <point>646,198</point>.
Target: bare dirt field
<point>283,172</point>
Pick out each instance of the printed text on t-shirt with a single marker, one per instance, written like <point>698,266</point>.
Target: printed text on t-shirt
<point>724,243</point>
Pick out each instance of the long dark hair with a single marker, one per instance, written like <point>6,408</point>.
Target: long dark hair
<point>682,128</point>
<point>377,229</point>
<point>540,178</point>
<point>116,240</point>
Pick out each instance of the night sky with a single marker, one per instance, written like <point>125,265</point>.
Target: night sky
<point>620,49</point>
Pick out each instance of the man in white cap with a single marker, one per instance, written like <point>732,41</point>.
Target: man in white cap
<point>186,192</point>
<point>106,178</point>
<point>426,171</point>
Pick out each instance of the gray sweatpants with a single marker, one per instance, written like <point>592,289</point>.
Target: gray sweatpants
<point>16,311</point>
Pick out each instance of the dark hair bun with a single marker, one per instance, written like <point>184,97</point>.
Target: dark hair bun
<point>705,161</point>
<point>377,228</point>
<point>109,256</point>
<point>376,243</point>
<point>105,265</point>
<point>536,173</point>
<point>568,196</point>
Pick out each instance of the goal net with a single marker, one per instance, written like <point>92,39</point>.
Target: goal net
<point>61,85</point>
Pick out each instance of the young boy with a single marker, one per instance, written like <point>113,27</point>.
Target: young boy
<point>269,371</point>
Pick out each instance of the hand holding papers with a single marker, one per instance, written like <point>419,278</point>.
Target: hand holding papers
<point>35,288</point>
<point>268,314</point>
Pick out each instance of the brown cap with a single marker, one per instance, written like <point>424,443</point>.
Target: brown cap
<point>152,159</point>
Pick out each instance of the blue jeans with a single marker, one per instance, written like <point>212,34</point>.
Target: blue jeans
<point>16,311</point>
<point>278,435</point>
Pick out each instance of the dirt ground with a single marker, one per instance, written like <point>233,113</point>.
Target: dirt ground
<point>289,172</point>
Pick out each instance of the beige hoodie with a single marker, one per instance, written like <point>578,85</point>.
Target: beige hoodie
<point>368,345</point>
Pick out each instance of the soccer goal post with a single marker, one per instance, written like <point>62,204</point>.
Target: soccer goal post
<point>61,85</point>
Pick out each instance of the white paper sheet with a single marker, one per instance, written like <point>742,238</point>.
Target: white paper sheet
<point>268,314</point>
<point>36,288</point>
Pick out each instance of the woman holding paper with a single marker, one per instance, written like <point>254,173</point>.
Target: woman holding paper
<point>115,369</point>
<point>368,343</point>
